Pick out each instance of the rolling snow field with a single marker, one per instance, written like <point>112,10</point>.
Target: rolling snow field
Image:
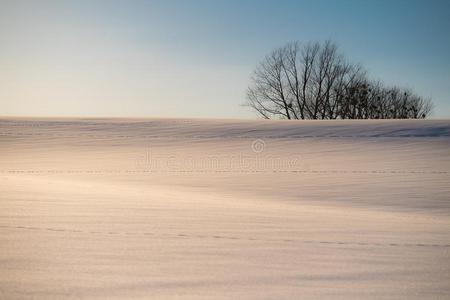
<point>224,209</point>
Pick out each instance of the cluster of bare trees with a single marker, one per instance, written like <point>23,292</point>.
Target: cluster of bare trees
<point>315,81</point>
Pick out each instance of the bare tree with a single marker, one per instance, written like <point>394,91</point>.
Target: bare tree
<point>315,81</point>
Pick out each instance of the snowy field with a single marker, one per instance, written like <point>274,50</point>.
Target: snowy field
<point>224,209</point>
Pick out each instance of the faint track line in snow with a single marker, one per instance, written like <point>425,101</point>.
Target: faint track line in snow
<point>104,172</point>
<point>212,137</point>
<point>224,237</point>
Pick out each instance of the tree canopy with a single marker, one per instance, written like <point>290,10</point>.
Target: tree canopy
<point>316,81</point>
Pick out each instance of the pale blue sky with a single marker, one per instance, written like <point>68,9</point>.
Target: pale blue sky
<point>194,58</point>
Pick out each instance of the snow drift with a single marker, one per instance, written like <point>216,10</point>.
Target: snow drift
<point>220,209</point>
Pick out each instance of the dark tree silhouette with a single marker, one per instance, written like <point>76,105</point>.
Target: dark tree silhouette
<point>315,81</point>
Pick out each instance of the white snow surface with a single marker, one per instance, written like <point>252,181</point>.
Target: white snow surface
<point>224,209</point>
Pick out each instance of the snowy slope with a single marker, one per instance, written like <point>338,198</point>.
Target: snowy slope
<point>220,209</point>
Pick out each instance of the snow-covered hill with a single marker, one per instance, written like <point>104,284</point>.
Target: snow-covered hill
<point>220,209</point>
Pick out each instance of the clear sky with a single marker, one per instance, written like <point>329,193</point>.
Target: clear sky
<point>194,58</point>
